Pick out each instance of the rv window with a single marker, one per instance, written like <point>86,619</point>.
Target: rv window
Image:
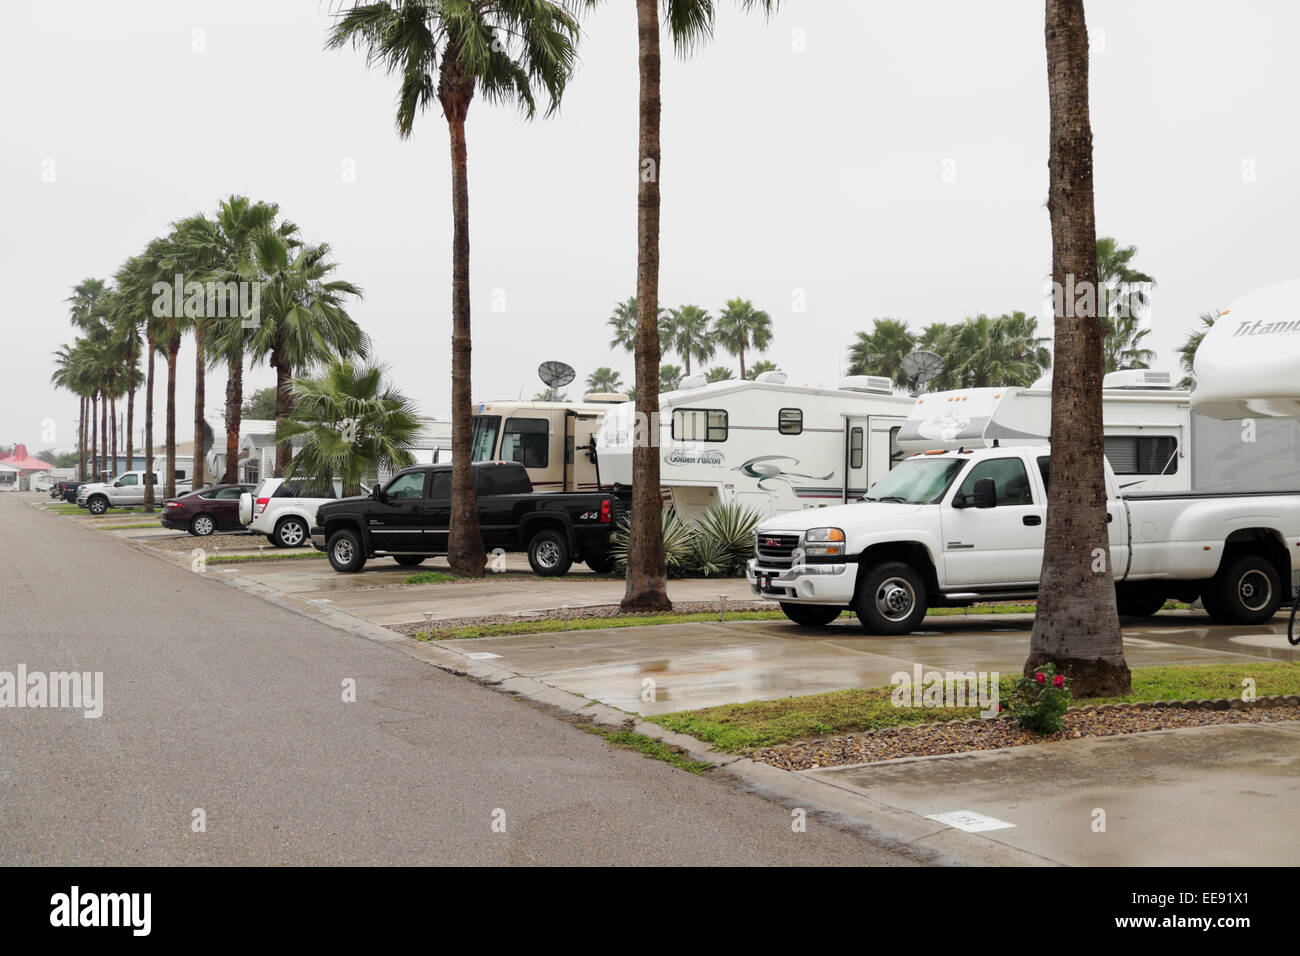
<point>855,448</point>
<point>700,424</point>
<point>483,444</point>
<point>1009,478</point>
<point>789,421</point>
<point>896,454</point>
<point>526,441</point>
<point>1142,455</point>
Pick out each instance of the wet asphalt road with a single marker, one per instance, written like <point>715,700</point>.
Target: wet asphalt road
<point>219,702</point>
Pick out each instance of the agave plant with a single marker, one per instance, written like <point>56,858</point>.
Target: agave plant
<point>678,536</point>
<point>711,558</point>
<point>731,524</point>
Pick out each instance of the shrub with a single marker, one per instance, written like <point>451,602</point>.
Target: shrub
<point>717,546</point>
<point>1040,700</point>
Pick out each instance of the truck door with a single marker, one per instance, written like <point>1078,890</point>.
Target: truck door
<point>397,524</point>
<point>1002,545</point>
<point>856,430</point>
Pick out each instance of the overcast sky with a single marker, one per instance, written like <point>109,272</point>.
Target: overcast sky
<point>872,158</point>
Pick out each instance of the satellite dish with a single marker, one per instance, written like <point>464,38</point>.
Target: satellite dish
<point>921,367</point>
<point>555,375</point>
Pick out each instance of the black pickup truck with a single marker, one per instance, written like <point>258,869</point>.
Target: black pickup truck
<point>408,519</point>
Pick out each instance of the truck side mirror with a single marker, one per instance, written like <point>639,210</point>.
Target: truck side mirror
<point>986,493</point>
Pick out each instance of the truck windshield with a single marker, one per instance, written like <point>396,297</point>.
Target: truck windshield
<point>916,481</point>
<point>483,444</point>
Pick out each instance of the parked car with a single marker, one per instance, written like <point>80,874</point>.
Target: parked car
<point>952,528</point>
<point>65,490</point>
<point>215,508</point>
<point>409,520</point>
<point>283,511</point>
<point>43,482</point>
<point>121,492</point>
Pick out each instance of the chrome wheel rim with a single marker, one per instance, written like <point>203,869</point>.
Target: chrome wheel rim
<point>1254,590</point>
<point>895,599</point>
<point>291,533</point>
<point>548,554</point>
<point>343,551</point>
<point>203,525</point>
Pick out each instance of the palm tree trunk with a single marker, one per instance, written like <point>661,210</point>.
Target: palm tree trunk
<point>81,441</point>
<point>94,433</point>
<point>169,479</point>
<point>740,348</point>
<point>112,417</point>
<point>130,408</point>
<point>234,417</point>
<point>1075,626</point>
<point>200,398</point>
<point>283,410</point>
<point>103,432</point>
<point>149,498</point>
<point>647,575</point>
<point>465,552</point>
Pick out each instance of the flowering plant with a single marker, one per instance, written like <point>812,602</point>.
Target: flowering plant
<point>1040,700</point>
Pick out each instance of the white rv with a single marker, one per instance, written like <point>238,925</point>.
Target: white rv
<point>552,440</point>
<point>764,443</point>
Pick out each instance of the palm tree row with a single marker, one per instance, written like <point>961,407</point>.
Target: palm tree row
<point>694,334</point>
<point>246,287</point>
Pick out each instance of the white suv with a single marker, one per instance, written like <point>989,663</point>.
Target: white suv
<point>284,511</point>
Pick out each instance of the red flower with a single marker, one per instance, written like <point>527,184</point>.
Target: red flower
<point>1040,677</point>
<point>1058,680</point>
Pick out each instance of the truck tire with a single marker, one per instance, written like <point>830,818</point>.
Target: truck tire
<point>810,615</point>
<point>202,525</point>
<point>600,563</point>
<point>548,554</point>
<point>1246,591</point>
<point>97,505</point>
<point>891,599</point>
<point>345,551</point>
<point>290,532</point>
<point>1138,602</point>
<point>408,560</point>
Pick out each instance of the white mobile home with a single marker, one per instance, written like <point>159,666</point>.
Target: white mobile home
<point>773,446</point>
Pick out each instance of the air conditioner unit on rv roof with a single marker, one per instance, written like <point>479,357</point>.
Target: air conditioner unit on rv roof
<point>1138,378</point>
<point>867,383</point>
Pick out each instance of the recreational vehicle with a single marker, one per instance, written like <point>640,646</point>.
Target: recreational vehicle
<point>552,440</point>
<point>772,446</point>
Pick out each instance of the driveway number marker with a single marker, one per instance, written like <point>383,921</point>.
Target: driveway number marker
<point>969,820</point>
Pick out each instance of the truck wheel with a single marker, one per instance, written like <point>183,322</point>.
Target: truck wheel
<point>600,563</point>
<point>891,599</point>
<point>1137,602</point>
<point>97,505</point>
<point>345,552</point>
<point>202,526</point>
<point>408,560</point>
<point>810,615</point>
<point>1246,591</point>
<point>548,554</point>
<point>289,533</point>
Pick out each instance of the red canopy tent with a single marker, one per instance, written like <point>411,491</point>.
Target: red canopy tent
<point>19,459</point>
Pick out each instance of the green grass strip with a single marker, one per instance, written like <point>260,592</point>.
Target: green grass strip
<point>248,558</point>
<point>631,740</point>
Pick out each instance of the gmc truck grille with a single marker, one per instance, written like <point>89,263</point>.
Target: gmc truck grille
<point>776,548</point>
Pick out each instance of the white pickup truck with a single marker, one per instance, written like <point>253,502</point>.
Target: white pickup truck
<point>122,492</point>
<point>950,528</point>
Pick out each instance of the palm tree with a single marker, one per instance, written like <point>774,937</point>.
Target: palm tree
<point>1124,345</point>
<point>740,326</point>
<point>303,321</point>
<point>355,426</point>
<point>623,323</point>
<point>881,351</point>
<point>990,351</point>
<point>130,315</point>
<point>168,258</point>
<point>719,373</point>
<point>670,376</point>
<point>1076,626</point>
<point>605,380</point>
<point>88,309</point>
<point>758,368</point>
<point>690,330</point>
<point>1187,351</point>
<point>502,48</point>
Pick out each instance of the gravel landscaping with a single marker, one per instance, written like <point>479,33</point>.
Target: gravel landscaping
<point>963,736</point>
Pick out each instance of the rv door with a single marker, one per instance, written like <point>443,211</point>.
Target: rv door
<point>883,452</point>
<point>856,433</point>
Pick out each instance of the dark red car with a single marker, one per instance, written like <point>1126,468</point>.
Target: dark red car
<point>214,508</point>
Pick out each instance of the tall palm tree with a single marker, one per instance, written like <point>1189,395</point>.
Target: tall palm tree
<point>1123,345</point>
<point>1076,626</point>
<point>355,425</point>
<point>128,316</point>
<point>990,351</point>
<point>691,333</point>
<point>881,351</point>
<point>1187,351</point>
<point>740,326</point>
<point>670,376</point>
<point>87,310</point>
<point>605,380</point>
<point>1122,300</point>
<point>170,257</point>
<point>303,320</point>
<point>445,51</point>
<point>622,322</point>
